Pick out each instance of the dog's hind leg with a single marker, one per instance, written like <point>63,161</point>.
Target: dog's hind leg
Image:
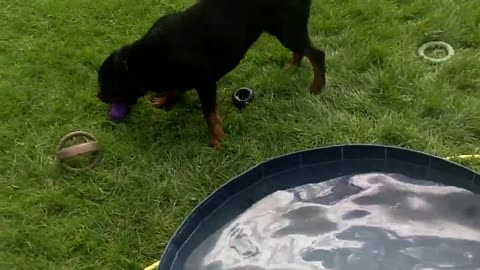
<point>292,31</point>
<point>317,58</point>
<point>208,98</point>
<point>299,43</point>
<point>295,61</point>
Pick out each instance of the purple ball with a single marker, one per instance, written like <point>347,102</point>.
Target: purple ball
<point>118,111</point>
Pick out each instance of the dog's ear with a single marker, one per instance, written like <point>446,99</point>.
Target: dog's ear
<point>121,55</point>
<point>117,57</point>
<point>111,63</point>
<point>116,62</point>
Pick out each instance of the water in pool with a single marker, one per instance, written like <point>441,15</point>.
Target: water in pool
<point>363,222</point>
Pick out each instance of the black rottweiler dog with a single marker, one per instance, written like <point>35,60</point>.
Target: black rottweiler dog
<point>194,48</point>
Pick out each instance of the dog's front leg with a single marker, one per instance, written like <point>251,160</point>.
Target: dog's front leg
<point>172,97</point>
<point>208,98</point>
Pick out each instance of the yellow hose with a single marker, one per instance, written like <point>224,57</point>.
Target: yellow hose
<point>152,267</point>
<point>463,157</point>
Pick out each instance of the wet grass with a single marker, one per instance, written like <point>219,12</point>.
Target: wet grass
<point>156,166</point>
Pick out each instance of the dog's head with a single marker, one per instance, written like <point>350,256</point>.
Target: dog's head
<point>114,81</point>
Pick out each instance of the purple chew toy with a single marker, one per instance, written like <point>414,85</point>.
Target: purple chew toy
<point>118,111</point>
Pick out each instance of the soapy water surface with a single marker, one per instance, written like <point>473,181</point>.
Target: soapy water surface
<point>363,222</point>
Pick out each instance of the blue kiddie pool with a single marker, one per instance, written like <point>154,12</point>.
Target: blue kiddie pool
<point>356,207</point>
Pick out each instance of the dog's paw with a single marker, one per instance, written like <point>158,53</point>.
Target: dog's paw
<point>217,137</point>
<point>317,87</point>
<point>159,102</point>
<point>214,143</point>
<point>289,66</point>
<point>294,63</point>
<point>315,90</point>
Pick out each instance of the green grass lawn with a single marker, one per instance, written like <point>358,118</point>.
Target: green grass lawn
<point>157,165</point>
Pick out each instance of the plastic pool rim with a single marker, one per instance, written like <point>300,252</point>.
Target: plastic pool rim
<point>169,254</point>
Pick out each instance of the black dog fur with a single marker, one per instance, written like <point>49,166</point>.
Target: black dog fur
<point>194,48</point>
